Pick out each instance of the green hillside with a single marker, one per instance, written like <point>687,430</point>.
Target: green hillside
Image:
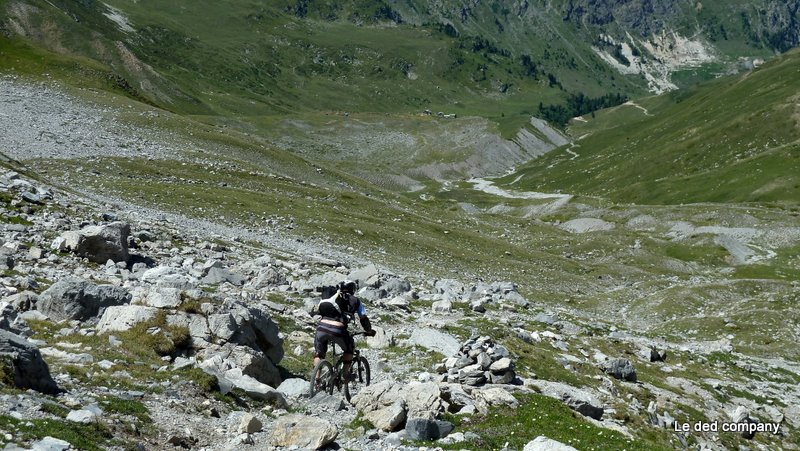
<point>499,60</point>
<point>736,139</point>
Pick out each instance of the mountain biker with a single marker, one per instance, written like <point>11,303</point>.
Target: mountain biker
<point>336,313</point>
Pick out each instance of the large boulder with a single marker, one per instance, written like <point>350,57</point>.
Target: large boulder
<point>383,339</point>
<point>388,418</point>
<point>387,404</point>
<point>449,289</point>
<point>75,298</point>
<point>251,327</point>
<point>427,429</point>
<point>576,399</point>
<point>22,363</point>
<point>216,276</point>
<point>123,317</point>
<point>268,277</point>
<point>229,376</point>
<point>396,286</point>
<point>424,400</point>
<point>160,297</point>
<point>249,361</point>
<point>294,387</point>
<point>197,325</point>
<point>620,369</point>
<point>98,243</point>
<point>382,404</point>
<point>301,431</point>
<point>368,276</point>
<point>435,340</point>
<point>492,397</point>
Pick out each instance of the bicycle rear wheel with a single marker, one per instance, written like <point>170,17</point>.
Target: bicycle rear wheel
<point>321,379</point>
<point>359,377</point>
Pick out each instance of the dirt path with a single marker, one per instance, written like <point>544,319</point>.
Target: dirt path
<point>636,105</point>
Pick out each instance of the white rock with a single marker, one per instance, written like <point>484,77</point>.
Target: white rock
<point>163,297</point>
<point>293,387</point>
<point>435,340</point>
<point>301,431</point>
<point>542,443</point>
<point>88,414</point>
<point>123,317</point>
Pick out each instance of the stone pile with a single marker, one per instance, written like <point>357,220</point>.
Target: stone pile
<point>480,361</point>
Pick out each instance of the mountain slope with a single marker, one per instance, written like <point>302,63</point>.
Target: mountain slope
<point>498,60</point>
<point>734,140</point>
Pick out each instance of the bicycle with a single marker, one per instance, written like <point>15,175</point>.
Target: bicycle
<point>327,377</point>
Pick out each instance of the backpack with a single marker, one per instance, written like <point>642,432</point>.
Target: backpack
<point>327,291</point>
<point>330,300</point>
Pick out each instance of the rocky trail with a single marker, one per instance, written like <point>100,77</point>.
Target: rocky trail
<point>166,337</point>
<point>123,327</point>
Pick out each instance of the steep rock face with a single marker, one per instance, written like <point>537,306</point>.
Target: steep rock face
<point>646,17</point>
<point>772,24</point>
<point>781,24</point>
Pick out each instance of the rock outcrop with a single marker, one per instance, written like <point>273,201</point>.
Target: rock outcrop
<point>21,363</point>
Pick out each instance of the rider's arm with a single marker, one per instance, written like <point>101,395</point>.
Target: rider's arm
<point>362,317</point>
<point>366,325</point>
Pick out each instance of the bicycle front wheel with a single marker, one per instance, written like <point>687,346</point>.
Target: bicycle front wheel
<point>359,377</point>
<point>321,379</point>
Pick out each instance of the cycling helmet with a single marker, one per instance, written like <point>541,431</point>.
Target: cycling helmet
<point>348,286</point>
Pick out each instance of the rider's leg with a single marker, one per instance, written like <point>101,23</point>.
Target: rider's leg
<point>347,360</point>
<point>320,346</point>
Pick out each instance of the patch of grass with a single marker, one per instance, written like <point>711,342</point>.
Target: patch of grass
<point>6,371</point>
<point>190,305</point>
<point>54,409</point>
<point>540,415</point>
<point>129,407</point>
<point>360,422</point>
<point>206,382</point>
<point>91,437</point>
<point>156,336</point>
<point>15,220</point>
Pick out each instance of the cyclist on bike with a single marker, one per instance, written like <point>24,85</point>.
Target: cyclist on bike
<point>337,311</point>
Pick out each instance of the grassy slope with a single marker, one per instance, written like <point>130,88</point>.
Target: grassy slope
<point>732,140</point>
<point>245,58</point>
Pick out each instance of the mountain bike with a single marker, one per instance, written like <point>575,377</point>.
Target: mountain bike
<point>328,377</point>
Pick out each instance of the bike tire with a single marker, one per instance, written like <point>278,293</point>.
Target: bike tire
<point>338,375</point>
<point>360,376</point>
<point>321,379</point>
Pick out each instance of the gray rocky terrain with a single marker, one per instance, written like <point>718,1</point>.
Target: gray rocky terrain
<point>138,328</point>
